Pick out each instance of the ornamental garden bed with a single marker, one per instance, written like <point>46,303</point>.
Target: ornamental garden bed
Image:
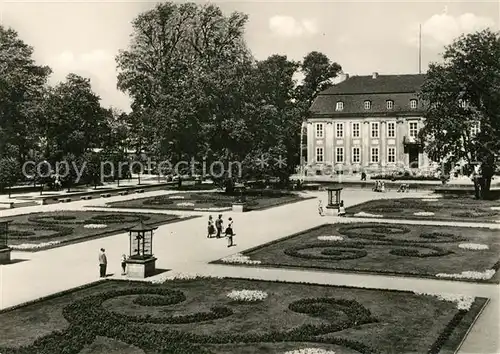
<point>211,201</point>
<point>38,231</point>
<point>197,316</point>
<point>439,252</point>
<point>447,208</point>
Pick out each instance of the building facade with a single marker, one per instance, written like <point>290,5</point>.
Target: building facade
<point>367,123</point>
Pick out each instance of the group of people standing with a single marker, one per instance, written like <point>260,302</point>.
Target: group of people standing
<point>103,263</point>
<point>215,228</point>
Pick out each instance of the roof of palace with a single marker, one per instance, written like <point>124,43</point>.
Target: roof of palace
<point>354,91</point>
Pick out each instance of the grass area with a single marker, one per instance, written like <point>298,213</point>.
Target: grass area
<point>390,249</point>
<point>211,201</point>
<point>37,231</point>
<point>197,316</point>
<point>447,208</point>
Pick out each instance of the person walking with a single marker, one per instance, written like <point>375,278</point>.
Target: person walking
<point>320,208</point>
<point>124,264</point>
<point>103,263</point>
<point>230,233</point>
<point>218,225</point>
<point>211,229</point>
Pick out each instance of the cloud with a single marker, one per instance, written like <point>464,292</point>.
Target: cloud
<point>441,29</point>
<point>99,66</point>
<point>287,26</point>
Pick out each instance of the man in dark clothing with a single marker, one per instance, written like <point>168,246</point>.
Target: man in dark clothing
<point>218,226</point>
<point>103,262</point>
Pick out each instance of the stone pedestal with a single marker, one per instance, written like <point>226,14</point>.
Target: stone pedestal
<point>5,255</point>
<point>239,207</point>
<point>332,210</point>
<point>141,268</point>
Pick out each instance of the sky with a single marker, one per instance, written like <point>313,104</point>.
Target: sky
<point>362,36</point>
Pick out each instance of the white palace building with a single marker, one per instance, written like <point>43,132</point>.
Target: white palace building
<point>367,123</point>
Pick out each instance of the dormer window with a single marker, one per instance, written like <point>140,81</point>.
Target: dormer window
<point>389,104</point>
<point>339,106</point>
<point>413,104</point>
<point>368,105</point>
<point>462,103</point>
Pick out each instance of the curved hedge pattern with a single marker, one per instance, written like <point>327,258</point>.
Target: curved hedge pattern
<point>59,231</point>
<point>88,319</point>
<point>337,251</point>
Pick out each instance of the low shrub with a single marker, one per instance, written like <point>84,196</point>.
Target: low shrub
<point>120,218</point>
<point>160,300</point>
<point>51,219</point>
<point>337,251</point>
<point>413,252</point>
<point>59,231</point>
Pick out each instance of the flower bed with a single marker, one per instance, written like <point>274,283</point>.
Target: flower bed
<point>198,317</point>
<point>487,274</point>
<point>212,201</point>
<point>34,232</point>
<point>310,351</point>
<point>463,208</point>
<point>380,248</point>
<point>247,295</point>
<point>95,226</point>
<point>330,238</point>
<point>239,258</point>
<point>473,246</point>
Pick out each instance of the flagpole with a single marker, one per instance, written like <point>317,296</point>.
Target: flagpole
<point>420,49</point>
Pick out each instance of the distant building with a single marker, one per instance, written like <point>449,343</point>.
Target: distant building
<point>367,123</point>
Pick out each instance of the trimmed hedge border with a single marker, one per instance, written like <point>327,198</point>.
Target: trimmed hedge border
<point>60,231</point>
<point>87,337</point>
<point>412,252</point>
<point>352,251</point>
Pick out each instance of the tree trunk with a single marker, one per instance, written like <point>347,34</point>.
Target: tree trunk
<point>229,186</point>
<point>139,178</point>
<point>477,188</point>
<point>485,185</point>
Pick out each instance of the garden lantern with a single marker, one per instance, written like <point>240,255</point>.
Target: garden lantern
<point>5,250</point>
<point>141,263</point>
<point>240,205</point>
<point>334,203</point>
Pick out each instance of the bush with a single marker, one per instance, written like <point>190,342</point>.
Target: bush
<point>412,252</point>
<point>330,252</point>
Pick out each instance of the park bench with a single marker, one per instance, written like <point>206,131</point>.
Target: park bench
<point>123,193</point>
<point>140,191</point>
<point>86,197</point>
<point>64,200</point>
<point>105,195</point>
<point>9,204</point>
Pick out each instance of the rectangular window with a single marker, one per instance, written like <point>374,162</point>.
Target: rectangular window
<point>391,130</point>
<point>374,129</point>
<point>413,104</point>
<point>319,130</point>
<point>391,155</point>
<point>390,104</point>
<point>340,130</point>
<point>339,155</point>
<point>356,155</point>
<point>374,157</point>
<point>355,130</point>
<point>340,106</point>
<point>368,105</point>
<point>319,154</point>
<point>475,128</point>
<point>413,129</point>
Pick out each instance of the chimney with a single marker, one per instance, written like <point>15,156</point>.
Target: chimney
<point>374,75</point>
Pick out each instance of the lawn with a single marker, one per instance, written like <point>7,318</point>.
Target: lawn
<point>470,254</point>
<point>211,201</point>
<point>37,231</point>
<point>200,316</point>
<point>447,208</point>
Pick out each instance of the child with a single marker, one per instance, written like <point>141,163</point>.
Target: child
<point>229,233</point>
<point>382,187</point>
<point>341,209</point>
<point>211,229</point>
<point>124,264</point>
<point>320,208</point>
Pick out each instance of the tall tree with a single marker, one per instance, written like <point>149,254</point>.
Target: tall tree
<point>74,121</point>
<point>463,113</point>
<point>22,87</point>
<point>318,71</point>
